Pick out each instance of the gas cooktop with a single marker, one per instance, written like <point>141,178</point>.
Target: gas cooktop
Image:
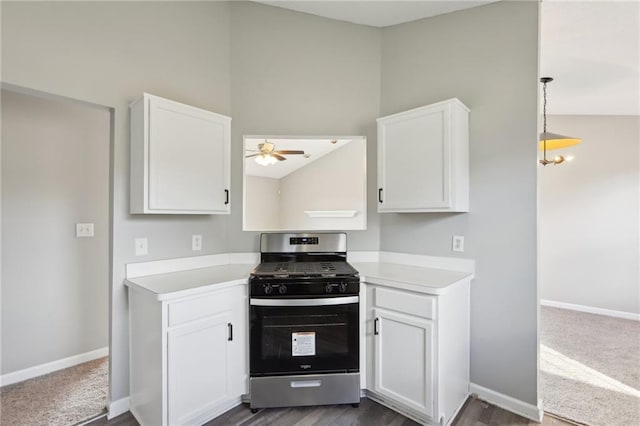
<point>305,269</point>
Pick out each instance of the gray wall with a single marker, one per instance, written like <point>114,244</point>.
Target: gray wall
<point>297,74</point>
<point>487,57</point>
<point>282,72</point>
<point>108,53</point>
<point>55,173</point>
<point>332,182</point>
<point>589,215</point>
<point>262,202</point>
<point>292,74</point>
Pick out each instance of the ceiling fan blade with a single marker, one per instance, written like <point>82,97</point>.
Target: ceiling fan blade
<point>252,155</point>
<point>277,157</point>
<point>289,152</point>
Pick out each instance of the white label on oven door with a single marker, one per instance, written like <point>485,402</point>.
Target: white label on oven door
<point>303,343</point>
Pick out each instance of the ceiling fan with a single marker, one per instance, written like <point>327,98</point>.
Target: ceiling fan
<point>268,154</point>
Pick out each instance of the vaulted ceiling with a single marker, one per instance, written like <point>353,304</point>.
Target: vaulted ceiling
<point>591,48</point>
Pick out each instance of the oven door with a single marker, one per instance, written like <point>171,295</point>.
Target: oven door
<point>303,336</point>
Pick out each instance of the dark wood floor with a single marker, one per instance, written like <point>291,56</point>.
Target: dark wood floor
<point>479,413</point>
<point>474,413</point>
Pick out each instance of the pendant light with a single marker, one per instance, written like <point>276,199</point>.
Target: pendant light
<point>548,140</point>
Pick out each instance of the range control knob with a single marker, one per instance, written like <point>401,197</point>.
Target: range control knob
<point>268,289</point>
<point>343,287</point>
<point>282,289</point>
<point>328,288</point>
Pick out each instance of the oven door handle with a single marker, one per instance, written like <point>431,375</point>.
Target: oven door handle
<point>327,301</point>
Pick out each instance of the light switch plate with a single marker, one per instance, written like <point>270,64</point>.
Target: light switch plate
<point>458,243</point>
<point>196,242</point>
<point>142,247</point>
<point>84,230</point>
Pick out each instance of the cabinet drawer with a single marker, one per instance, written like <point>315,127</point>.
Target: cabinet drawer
<point>200,307</point>
<point>408,303</point>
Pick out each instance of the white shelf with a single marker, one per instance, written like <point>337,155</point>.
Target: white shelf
<point>330,213</point>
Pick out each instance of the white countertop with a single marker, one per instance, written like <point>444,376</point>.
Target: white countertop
<point>172,285</point>
<point>408,277</point>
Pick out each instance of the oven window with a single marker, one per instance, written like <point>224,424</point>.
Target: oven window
<point>303,340</point>
<point>284,336</point>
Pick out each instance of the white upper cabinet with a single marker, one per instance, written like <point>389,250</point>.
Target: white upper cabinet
<point>423,159</point>
<point>179,158</point>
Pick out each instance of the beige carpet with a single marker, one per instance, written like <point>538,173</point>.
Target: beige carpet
<point>63,398</point>
<point>590,367</point>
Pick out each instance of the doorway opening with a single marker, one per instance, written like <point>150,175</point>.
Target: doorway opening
<point>589,210</point>
<point>56,250</point>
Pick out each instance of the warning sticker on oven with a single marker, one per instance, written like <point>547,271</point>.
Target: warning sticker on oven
<point>303,343</point>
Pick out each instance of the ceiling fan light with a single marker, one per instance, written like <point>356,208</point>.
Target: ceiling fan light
<point>265,160</point>
<point>262,160</point>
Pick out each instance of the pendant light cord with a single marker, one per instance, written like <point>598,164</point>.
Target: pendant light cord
<point>544,107</point>
<point>544,118</point>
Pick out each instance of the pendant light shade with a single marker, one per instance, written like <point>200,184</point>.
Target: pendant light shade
<point>556,141</point>
<point>548,140</point>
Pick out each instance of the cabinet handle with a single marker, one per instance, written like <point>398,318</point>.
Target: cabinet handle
<point>380,195</point>
<point>230,326</point>
<point>375,326</point>
<point>226,196</point>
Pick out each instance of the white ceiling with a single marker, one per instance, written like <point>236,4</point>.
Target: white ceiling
<point>591,48</point>
<point>314,148</point>
<point>377,13</point>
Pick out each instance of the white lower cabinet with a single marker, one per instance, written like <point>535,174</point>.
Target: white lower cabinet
<point>404,359</point>
<point>417,349</point>
<point>198,373</point>
<point>188,360</point>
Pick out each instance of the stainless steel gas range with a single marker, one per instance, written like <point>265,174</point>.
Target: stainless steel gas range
<point>304,333</point>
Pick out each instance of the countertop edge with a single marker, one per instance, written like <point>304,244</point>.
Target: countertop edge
<point>179,294</point>
<point>410,286</point>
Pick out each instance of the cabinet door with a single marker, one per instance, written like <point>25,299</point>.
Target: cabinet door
<point>199,377</point>
<point>239,346</point>
<point>403,365</point>
<point>188,159</point>
<point>414,156</point>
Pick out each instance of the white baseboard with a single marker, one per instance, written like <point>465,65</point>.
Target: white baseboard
<point>115,408</point>
<point>516,406</point>
<point>39,370</point>
<point>400,408</point>
<point>591,309</point>
<point>455,413</point>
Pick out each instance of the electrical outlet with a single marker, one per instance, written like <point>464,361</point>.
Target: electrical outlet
<point>458,243</point>
<point>196,242</point>
<point>84,229</point>
<point>142,247</point>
